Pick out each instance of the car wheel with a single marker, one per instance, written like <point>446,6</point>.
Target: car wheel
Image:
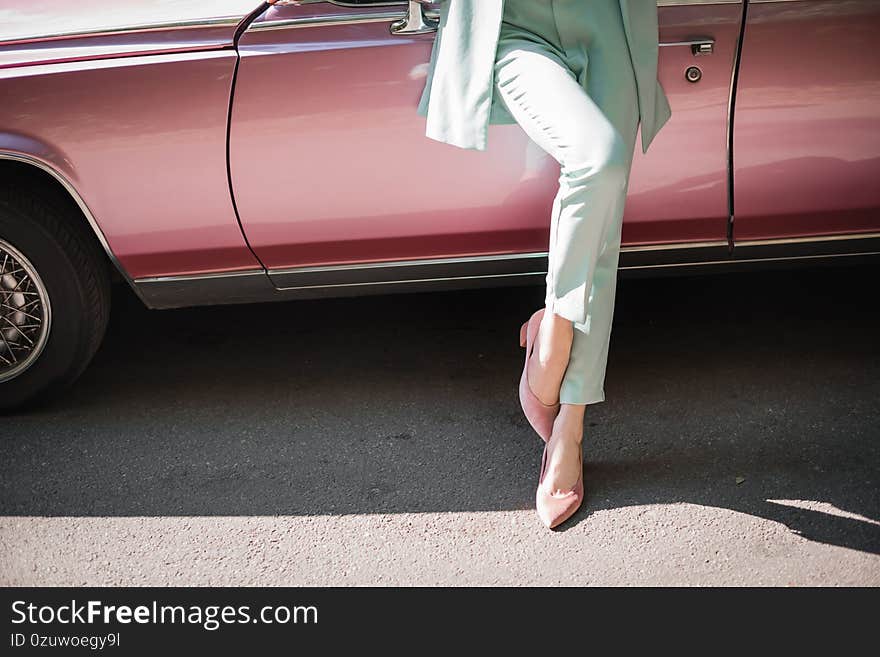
<point>54,296</point>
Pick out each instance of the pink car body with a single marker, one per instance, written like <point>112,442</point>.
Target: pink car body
<point>232,151</point>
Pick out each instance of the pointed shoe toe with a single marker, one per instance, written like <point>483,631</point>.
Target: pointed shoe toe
<point>554,509</point>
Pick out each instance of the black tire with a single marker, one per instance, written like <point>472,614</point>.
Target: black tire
<point>50,232</point>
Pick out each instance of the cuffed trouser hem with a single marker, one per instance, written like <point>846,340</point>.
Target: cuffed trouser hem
<point>589,400</point>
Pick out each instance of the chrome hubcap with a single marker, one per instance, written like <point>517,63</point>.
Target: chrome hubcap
<point>25,313</point>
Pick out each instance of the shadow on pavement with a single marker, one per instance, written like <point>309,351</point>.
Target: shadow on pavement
<point>408,403</point>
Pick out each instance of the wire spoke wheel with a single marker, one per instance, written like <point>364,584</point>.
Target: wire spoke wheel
<point>25,313</point>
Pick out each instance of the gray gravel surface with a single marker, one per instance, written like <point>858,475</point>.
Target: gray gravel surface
<point>379,440</point>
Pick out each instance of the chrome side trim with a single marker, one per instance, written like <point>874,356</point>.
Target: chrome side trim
<point>410,263</point>
<point>807,247</point>
<point>249,286</point>
<point>679,245</point>
<point>511,257</point>
<point>809,239</point>
<point>384,16</point>
<point>398,281</point>
<point>302,22</point>
<point>392,15</point>
<point>738,261</point>
<point>71,190</point>
<point>410,271</point>
<point>227,21</point>
<point>405,263</point>
<point>182,278</point>
<point>510,265</point>
<point>323,21</point>
<point>434,274</point>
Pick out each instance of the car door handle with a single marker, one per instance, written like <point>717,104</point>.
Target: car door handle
<point>699,45</point>
<point>414,21</point>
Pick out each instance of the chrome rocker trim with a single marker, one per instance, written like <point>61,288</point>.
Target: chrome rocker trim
<point>227,21</point>
<point>514,269</point>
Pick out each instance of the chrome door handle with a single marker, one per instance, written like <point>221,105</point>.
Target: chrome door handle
<point>415,21</point>
<point>699,46</point>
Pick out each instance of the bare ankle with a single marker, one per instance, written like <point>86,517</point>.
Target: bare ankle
<point>555,339</point>
<point>571,417</point>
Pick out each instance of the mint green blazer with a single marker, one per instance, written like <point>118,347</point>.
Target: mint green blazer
<point>457,97</point>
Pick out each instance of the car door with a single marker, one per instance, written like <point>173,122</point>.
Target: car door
<point>334,178</point>
<point>807,128</point>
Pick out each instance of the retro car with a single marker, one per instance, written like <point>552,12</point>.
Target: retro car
<point>234,151</point>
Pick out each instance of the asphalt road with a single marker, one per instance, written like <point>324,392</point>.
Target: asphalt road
<point>378,440</point>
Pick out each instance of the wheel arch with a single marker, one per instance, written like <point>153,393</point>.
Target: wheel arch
<point>40,176</point>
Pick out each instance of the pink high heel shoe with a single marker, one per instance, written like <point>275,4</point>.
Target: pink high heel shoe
<point>552,509</point>
<point>539,414</point>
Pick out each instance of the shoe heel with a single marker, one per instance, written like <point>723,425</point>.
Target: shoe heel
<point>523,331</point>
<point>540,415</point>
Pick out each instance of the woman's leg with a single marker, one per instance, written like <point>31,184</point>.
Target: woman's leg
<point>550,102</point>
